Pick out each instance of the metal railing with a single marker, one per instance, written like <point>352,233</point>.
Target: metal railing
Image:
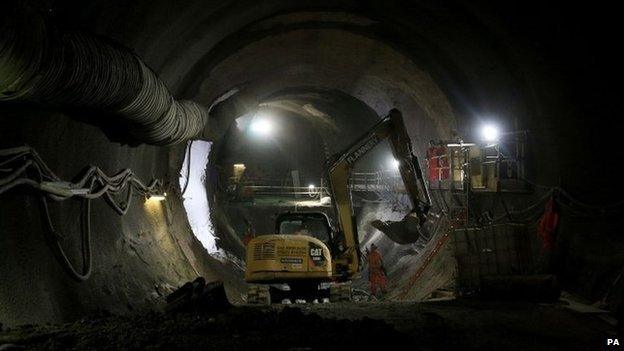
<point>381,183</point>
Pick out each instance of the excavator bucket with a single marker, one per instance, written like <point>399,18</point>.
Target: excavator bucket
<point>406,231</point>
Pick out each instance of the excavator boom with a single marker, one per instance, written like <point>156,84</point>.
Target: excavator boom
<point>391,128</point>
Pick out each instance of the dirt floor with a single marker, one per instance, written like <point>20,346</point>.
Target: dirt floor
<point>443,325</point>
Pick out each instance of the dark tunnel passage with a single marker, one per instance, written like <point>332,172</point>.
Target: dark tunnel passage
<point>145,144</point>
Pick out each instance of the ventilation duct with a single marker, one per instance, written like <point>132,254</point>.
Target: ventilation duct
<point>42,64</point>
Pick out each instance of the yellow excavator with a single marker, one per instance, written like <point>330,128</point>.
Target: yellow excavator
<point>307,258</point>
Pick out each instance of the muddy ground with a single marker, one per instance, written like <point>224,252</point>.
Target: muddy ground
<point>443,325</point>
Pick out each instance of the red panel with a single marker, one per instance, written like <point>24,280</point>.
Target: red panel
<point>438,163</point>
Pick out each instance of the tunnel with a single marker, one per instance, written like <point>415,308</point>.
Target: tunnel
<point>152,153</point>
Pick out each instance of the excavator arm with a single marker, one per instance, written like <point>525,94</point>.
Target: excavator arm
<point>339,170</point>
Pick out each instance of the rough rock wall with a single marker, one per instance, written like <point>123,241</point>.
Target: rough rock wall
<point>137,258</point>
<point>410,276</point>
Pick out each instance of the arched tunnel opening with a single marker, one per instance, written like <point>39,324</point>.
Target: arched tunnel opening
<point>319,175</point>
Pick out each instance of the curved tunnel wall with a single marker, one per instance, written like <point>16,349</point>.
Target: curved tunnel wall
<point>480,63</point>
<point>137,258</point>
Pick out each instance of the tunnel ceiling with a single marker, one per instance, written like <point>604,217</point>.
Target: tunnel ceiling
<point>333,59</point>
<point>421,61</point>
<point>447,65</point>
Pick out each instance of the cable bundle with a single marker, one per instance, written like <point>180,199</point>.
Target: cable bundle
<point>18,166</point>
<point>577,207</point>
<point>43,65</point>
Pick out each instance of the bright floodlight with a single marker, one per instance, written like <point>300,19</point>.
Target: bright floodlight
<point>490,133</point>
<point>261,126</point>
<point>157,197</point>
<point>311,187</point>
<point>395,163</point>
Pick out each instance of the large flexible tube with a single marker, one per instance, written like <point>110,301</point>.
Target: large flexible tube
<point>42,64</point>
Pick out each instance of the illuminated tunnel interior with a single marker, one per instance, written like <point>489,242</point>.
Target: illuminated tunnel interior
<point>146,144</point>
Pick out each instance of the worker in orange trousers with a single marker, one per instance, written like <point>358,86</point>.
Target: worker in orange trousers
<point>376,271</point>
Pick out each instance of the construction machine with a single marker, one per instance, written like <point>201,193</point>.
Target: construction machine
<point>307,258</point>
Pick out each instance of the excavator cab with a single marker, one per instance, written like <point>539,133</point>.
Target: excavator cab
<point>314,224</point>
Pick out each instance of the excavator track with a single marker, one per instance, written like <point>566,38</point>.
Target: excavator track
<point>340,292</point>
<point>258,295</point>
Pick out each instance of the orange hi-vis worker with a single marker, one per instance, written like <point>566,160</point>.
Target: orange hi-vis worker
<point>547,226</point>
<point>377,273</point>
<point>250,232</point>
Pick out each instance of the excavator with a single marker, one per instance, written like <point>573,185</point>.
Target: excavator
<point>307,258</point>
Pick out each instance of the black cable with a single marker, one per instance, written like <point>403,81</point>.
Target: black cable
<point>53,240</point>
<point>188,166</point>
<point>93,184</point>
<point>502,200</point>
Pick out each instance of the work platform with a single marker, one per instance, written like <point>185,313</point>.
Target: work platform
<point>365,187</point>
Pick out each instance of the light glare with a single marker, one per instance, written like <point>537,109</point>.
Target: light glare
<point>261,127</point>
<point>490,133</point>
<point>157,197</point>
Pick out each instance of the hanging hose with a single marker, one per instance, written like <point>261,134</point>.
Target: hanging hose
<point>188,166</point>
<point>14,166</point>
<point>52,238</point>
<point>41,64</point>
